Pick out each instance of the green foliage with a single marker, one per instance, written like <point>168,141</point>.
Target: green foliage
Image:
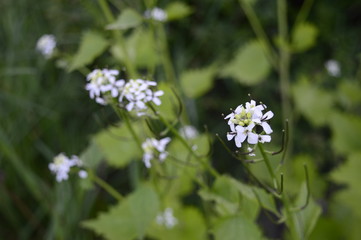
<point>177,10</point>
<point>314,103</point>
<point>92,45</point>
<point>117,145</point>
<point>304,37</point>
<point>237,227</point>
<point>128,18</point>
<point>249,65</point>
<point>130,218</point>
<point>197,82</point>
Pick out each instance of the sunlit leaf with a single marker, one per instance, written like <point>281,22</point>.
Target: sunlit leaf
<point>92,155</point>
<point>130,218</point>
<point>177,10</point>
<point>92,45</point>
<point>128,18</point>
<point>117,145</point>
<point>249,66</point>
<point>237,227</point>
<point>195,83</point>
<point>304,37</point>
<point>314,103</point>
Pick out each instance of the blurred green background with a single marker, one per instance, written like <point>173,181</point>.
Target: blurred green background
<point>45,109</point>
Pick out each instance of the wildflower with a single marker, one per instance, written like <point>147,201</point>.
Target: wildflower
<point>103,85</point>
<point>154,148</point>
<point>249,123</point>
<point>62,165</point>
<point>46,45</point>
<point>166,218</point>
<point>251,152</point>
<point>83,174</point>
<point>136,93</point>
<point>188,132</point>
<point>333,68</point>
<point>157,14</point>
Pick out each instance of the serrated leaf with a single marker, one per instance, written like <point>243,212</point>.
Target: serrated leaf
<point>177,10</point>
<point>128,219</point>
<point>117,145</point>
<point>92,45</point>
<point>237,227</point>
<point>304,37</point>
<point>249,66</point>
<point>346,131</point>
<point>128,18</point>
<point>195,83</point>
<point>314,103</point>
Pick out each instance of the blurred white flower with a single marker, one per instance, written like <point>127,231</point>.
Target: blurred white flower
<point>154,148</point>
<point>188,132</point>
<point>333,68</point>
<point>243,123</point>
<point>103,85</point>
<point>157,14</point>
<point>83,174</point>
<point>62,165</point>
<point>46,45</point>
<point>167,218</point>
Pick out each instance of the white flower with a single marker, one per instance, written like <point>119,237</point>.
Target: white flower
<point>333,68</point>
<point>251,152</point>
<point>103,85</point>
<point>46,45</point>
<point>83,174</point>
<point>244,122</point>
<point>166,218</point>
<point>188,132</point>
<point>157,14</point>
<point>62,165</point>
<point>154,148</point>
<point>136,93</point>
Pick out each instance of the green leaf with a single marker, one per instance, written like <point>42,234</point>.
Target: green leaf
<point>92,155</point>
<point>190,225</point>
<point>169,107</point>
<point>308,217</point>
<point>304,37</point>
<point>128,18</point>
<point>314,103</point>
<point>92,45</point>
<point>177,10</point>
<point>237,227</point>
<point>249,66</point>
<point>117,145</point>
<point>195,83</point>
<point>346,131</point>
<point>130,218</point>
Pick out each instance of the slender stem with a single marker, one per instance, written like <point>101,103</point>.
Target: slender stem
<point>118,36</point>
<point>305,10</point>
<point>260,33</point>
<point>109,189</point>
<point>269,166</point>
<point>284,66</point>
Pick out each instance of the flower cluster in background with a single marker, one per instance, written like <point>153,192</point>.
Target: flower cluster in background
<point>154,149</point>
<point>166,218</point>
<point>62,165</point>
<point>133,95</point>
<point>249,123</point>
<point>157,14</point>
<point>333,68</point>
<point>46,45</point>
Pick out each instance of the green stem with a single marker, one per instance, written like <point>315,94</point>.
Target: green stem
<point>305,10</point>
<point>269,166</point>
<point>109,189</point>
<point>284,66</point>
<point>260,33</point>
<point>166,60</point>
<point>118,36</point>
<point>290,216</point>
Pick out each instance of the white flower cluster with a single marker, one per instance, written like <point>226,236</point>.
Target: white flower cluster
<point>154,148</point>
<point>61,166</point>
<point>157,14</point>
<point>104,87</point>
<point>46,45</point>
<point>249,123</point>
<point>188,132</point>
<point>166,218</point>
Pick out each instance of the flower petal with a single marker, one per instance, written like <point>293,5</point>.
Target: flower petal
<point>252,138</point>
<point>267,128</point>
